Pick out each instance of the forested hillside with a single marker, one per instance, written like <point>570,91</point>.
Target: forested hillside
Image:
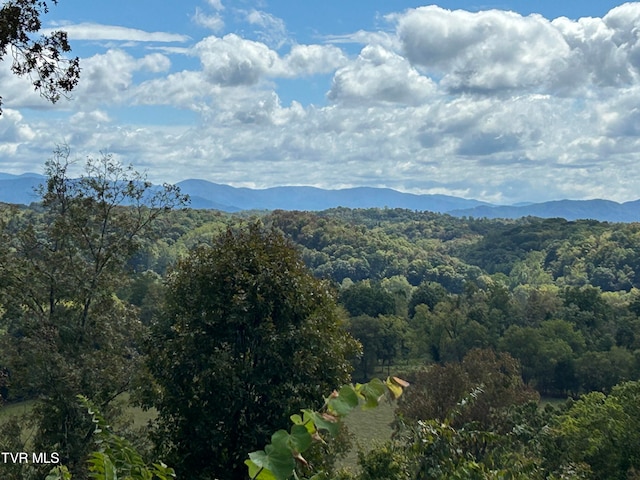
<point>446,285</point>
<point>166,305</point>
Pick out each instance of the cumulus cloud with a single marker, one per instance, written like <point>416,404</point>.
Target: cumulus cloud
<point>233,60</point>
<point>486,50</point>
<point>380,75</point>
<point>493,50</point>
<point>109,76</point>
<point>604,51</point>
<point>13,128</point>
<point>17,92</point>
<point>311,60</point>
<point>185,90</point>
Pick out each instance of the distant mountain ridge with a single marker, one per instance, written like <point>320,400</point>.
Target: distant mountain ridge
<point>19,189</point>
<point>204,193</point>
<point>603,210</point>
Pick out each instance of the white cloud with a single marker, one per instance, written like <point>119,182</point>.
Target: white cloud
<point>216,4</point>
<point>380,75</point>
<point>18,92</point>
<point>92,117</point>
<point>108,77</point>
<point>186,90</point>
<point>483,51</point>
<point>96,31</point>
<point>495,50</point>
<point>311,60</point>
<point>155,62</point>
<point>13,128</point>
<point>363,37</point>
<point>232,60</point>
<point>212,22</point>
<point>604,52</point>
<point>272,29</point>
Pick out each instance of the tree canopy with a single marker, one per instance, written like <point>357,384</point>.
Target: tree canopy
<point>247,335</point>
<point>43,59</point>
<point>65,332</point>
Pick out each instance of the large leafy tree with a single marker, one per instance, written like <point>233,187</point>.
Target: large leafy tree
<point>602,431</point>
<point>42,59</point>
<point>436,391</point>
<point>247,337</point>
<point>67,333</point>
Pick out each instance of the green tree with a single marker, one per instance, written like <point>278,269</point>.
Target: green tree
<point>603,370</point>
<point>437,390</point>
<point>546,357</point>
<point>67,333</point>
<point>43,59</point>
<point>602,431</point>
<point>429,294</point>
<point>364,299</point>
<point>366,330</point>
<point>247,336</point>
<point>447,332</point>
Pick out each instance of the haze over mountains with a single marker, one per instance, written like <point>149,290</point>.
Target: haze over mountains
<point>19,189</point>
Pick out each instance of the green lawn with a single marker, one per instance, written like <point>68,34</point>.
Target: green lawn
<point>136,415</point>
<point>14,409</point>
<point>370,427</point>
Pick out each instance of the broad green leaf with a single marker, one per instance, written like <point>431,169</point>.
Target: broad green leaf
<point>280,439</point>
<point>281,461</point>
<point>277,457</point>
<point>258,473</point>
<point>371,392</point>
<point>309,423</point>
<point>300,438</point>
<point>346,401</point>
<point>323,423</point>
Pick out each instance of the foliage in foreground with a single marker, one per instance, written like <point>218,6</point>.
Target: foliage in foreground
<point>42,60</point>
<point>64,331</point>
<point>246,335</point>
<point>282,459</point>
<point>114,457</point>
<point>593,438</point>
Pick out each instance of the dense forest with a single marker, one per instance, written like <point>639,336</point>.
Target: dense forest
<point>225,325</point>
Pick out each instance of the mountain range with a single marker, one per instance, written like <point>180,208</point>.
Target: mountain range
<point>19,189</point>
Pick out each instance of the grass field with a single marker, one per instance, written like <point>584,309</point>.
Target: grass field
<point>7,411</point>
<point>369,427</point>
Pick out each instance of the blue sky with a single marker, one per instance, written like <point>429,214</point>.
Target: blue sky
<point>503,101</point>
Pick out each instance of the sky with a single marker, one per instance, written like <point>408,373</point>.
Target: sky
<point>500,101</point>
